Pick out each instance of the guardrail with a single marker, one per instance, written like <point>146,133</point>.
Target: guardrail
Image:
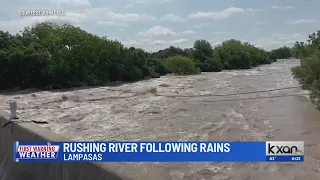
<point>14,129</point>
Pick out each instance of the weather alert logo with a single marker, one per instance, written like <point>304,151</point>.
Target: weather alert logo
<point>35,151</point>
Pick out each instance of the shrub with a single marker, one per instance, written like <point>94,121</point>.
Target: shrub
<point>180,65</point>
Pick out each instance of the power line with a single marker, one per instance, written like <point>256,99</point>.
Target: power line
<point>253,98</point>
<point>231,94</point>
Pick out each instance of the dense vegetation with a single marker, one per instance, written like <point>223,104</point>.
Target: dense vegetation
<point>282,53</point>
<point>308,73</point>
<point>60,56</point>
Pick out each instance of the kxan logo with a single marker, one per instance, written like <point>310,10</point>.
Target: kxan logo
<point>284,148</point>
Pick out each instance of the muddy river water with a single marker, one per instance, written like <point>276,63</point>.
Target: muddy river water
<point>187,108</point>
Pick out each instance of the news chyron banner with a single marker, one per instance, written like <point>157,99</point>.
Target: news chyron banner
<point>270,151</point>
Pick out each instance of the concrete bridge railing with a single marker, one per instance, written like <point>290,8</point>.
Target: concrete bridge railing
<point>42,171</point>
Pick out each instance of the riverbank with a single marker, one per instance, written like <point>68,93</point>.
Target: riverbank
<point>308,73</point>
<point>15,91</point>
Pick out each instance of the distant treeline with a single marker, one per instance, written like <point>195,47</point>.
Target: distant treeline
<point>61,56</point>
<point>308,73</point>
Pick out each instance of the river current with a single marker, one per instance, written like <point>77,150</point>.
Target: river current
<point>206,107</point>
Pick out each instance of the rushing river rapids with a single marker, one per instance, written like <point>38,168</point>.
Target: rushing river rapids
<point>185,109</point>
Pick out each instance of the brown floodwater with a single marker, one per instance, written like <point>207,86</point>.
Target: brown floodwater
<point>183,110</point>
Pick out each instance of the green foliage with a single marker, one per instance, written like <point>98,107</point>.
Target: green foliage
<point>61,56</point>
<point>308,74</point>
<point>234,54</point>
<point>52,56</point>
<point>180,65</point>
<point>171,51</point>
<point>315,93</point>
<point>203,55</point>
<point>156,66</point>
<point>282,53</point>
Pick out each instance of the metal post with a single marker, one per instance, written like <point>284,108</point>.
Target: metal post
<point>13,108</point>
<point>13,115</point>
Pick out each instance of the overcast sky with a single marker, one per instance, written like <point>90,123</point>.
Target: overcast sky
<point>157,24</point>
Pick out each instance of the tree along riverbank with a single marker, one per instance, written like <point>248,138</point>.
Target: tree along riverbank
<point>51,56</point>
<point>308,74</point>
